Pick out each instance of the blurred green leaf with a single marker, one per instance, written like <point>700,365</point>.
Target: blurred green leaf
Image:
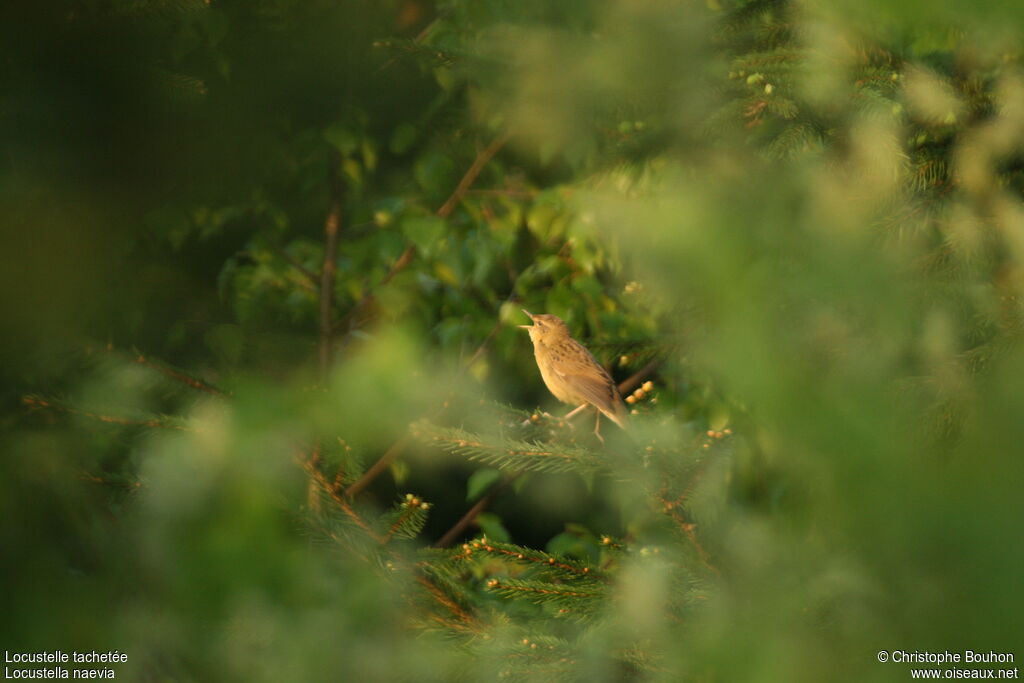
<point>424,231</point>
<point>480,481</point>
<point>342,138</point>
<point>492,527</point>
<point>403,138</point>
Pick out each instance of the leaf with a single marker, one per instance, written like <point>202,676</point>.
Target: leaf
<point>446,274</point>
<point>491,525</point>
<point>563,544</point>
<point>353,171</point>
<point>575,541</point>
<point>435,172</point>
<point>519,483</point>
<point>512,314</point>
<point>424,231</point>
<point>480,481</point>
<point>399,471</point>
<point>540,218</point>
<point>342,138</point>
<point>445,78</point>
<point>369,151</point>
<point>403,138</point>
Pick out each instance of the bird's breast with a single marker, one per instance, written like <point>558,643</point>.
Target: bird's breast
<point>548,358</point>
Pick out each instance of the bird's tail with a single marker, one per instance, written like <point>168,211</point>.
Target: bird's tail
<point>618,414</point>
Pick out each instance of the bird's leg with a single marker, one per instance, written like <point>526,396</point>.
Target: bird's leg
<point>597,427</point>
<point>575,411</point>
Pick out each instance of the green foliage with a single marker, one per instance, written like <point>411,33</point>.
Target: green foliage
<point>791,229</point>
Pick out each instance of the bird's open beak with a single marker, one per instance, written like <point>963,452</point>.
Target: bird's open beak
<point>526,327</point>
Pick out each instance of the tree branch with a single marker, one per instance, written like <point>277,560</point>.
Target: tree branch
<point>634,380</point>
<point>313,279</point>
<point>460,526</point>
<point>484,156</point>
<point>164,369</point>
<point>378,467</point>
<point>318,477</point>
<point>152,423</point>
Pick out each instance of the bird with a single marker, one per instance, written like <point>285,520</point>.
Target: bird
<point>571,373</point>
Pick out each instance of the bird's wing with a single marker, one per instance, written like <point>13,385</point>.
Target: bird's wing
<point>600,392</point>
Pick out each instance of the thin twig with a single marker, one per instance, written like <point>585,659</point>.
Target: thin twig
<point>498,324</point>
<point>332,227</point>
<point>524,194</point>
<point>378,467</point>
<point>461,614</point>
<point>130,485</point>
<point>689,529</point>
<point>420,37</point>
<point>156,423</point>
<point>639,376</point>
<point>483,345</point>
<point>173,373</point>
<point>469,178</point>
<point>460,526</point>
<point>338,498</point>
<point>312,278</point>
<point>405,259</point>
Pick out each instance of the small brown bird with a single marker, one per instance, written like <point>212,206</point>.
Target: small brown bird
<point>571,373</point>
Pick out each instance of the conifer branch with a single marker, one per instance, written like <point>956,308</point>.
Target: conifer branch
<point>449,537</point>
<point>541,593</point>
<point>462,615</point>
<point>689,530</point>
<point>528,556</point>
<point>173,373</point>
<point>339,499</point>
<point>515,456</point>
<point>407,519</point>
<point>155,423</point>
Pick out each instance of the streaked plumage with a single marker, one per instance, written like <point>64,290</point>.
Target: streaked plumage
<point>570,372</point>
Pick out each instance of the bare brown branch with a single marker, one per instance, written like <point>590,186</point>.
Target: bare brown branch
<point>637,378</point>
<point>378,467</point>
<point>460,526</point>
<point>484,156</point>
